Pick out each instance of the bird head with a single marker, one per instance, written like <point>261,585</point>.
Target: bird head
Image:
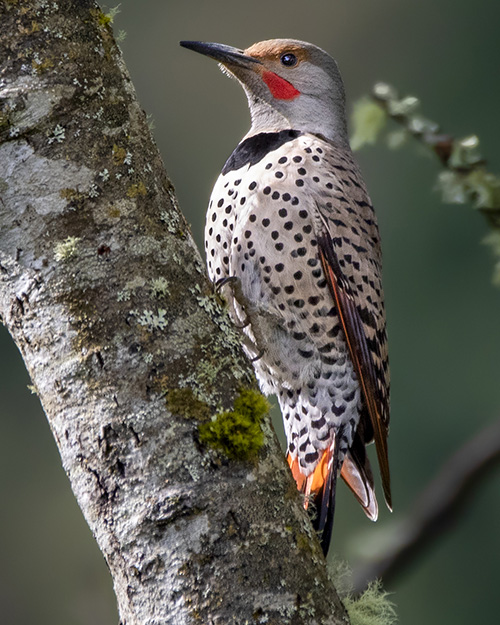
<point>288,83</point>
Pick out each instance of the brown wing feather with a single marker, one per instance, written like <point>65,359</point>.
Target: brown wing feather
<point>360,353</point>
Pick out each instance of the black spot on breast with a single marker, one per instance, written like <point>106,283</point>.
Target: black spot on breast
<point>305,353</point>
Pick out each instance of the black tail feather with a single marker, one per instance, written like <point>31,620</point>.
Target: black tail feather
<point>324,502</point>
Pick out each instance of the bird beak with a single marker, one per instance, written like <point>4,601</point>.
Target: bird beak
<point>227,55</point>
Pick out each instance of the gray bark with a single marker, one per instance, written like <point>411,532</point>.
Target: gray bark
<point>105,294</point>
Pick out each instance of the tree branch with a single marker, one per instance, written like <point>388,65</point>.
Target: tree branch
<point>105,294</point>
<point>464,178</point>
<point>435,510</point>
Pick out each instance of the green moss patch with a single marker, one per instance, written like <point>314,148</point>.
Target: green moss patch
<point>237,433</point>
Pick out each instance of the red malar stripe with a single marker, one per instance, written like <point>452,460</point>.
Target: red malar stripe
<point>279,87</point>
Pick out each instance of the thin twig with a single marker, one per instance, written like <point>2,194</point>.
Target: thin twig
<point>436,509</point>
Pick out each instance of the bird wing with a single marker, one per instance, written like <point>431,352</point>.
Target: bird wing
<point>363,351</point>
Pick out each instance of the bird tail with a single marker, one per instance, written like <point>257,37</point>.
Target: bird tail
<point>357,474</point>
<point>320,487</point>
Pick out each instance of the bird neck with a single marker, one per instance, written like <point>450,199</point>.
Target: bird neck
<point>309,117</point>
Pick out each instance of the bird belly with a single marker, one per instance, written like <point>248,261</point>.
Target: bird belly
<point>300,350</point>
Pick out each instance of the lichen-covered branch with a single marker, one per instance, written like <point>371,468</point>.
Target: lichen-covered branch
<point>464,178</point>
<point>132,356</point>
<point>434,511</point>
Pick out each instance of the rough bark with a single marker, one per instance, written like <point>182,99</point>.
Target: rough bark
<point>105,294</point>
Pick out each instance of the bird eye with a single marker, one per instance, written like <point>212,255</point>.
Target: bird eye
<point>288,59</point>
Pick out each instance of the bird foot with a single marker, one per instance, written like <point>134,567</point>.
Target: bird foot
<point>246,313</point>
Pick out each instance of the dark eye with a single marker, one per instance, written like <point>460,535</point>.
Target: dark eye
<point>288,59</point>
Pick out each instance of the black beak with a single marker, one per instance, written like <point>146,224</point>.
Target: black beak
<point>223,54</point>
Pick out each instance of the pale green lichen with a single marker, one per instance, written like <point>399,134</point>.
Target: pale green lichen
<point>123,295</point>
<point>64,250</point>
<point>106,19</point>
<point>373,607</point>
<point>237,433</point>
<point>58,135</point>
<point>159,286</point>
<point>151,320</point>
<point>172,220</point>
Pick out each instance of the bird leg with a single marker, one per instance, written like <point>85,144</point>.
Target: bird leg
<point>250,314</point>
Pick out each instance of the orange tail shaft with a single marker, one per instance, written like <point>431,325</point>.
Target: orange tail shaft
<point>321,485</point>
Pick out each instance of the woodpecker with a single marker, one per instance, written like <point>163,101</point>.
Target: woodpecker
<point>292,238</point>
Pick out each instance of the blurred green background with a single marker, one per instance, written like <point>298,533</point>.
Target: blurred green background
<point>443,313</point>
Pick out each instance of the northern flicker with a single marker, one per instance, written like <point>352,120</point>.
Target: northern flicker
<point>291,236</point>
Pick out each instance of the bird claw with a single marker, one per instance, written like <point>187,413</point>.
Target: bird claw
<point>248,313</point>
<point>258,357</point>
<point>219,284</point>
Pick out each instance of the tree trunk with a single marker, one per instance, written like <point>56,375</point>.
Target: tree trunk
<point>105,294</point>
